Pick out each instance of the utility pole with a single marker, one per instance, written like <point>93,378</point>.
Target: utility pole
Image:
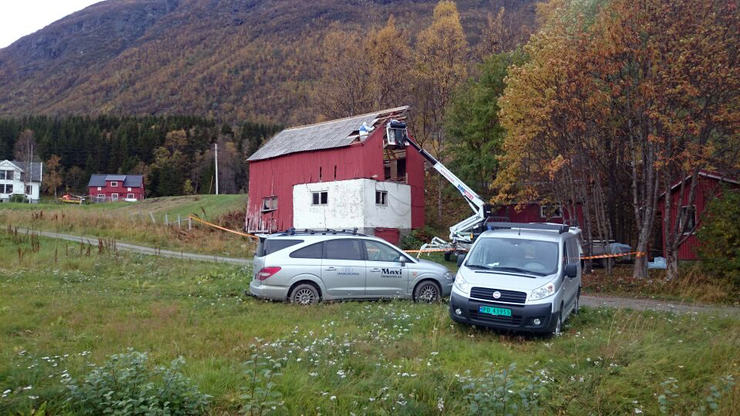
<point>215,153</point>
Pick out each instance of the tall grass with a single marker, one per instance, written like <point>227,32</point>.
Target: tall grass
<point>134,223</point>
<point>62,310</point>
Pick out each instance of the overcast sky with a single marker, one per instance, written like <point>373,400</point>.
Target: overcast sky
<point>19,18</point>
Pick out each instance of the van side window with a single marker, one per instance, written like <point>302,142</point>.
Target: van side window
<point>571,251</point>
<point>344,249</point>
<point>314,251</point>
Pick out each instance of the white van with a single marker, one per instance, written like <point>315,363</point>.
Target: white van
<point>524,277</point>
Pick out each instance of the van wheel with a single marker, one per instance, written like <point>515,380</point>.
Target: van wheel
<point>427,292</point>
<point>556,327</point>
<point>304,294</point>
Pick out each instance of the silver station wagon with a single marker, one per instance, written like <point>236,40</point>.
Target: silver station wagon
<point>306,267</point>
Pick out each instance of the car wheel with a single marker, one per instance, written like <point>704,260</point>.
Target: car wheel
<point>304,294</point>
<point>577,306</point>
<point>427,291</point>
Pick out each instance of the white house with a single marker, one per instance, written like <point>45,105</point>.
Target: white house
<point>18,178</point>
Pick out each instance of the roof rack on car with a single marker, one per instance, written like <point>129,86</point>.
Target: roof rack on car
<point>560,228</point>
<point>327,231</point>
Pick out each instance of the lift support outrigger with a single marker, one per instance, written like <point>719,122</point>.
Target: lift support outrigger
<point>464,232</point>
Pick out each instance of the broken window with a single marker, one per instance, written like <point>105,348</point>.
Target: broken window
<point>269,203</point>
<point>381,197</point>
<point>320,198</point>
<point>689,214</point>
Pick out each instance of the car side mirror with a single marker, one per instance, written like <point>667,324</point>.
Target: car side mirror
<point>571,270</point>
<point>460,259</point>
<point>402,259</point>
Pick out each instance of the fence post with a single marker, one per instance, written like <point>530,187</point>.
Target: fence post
<point>178,221</point>
<point>166,220</point>
<point>152,215</point>
<point>190,224</point>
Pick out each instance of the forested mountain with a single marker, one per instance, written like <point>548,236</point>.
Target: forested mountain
<point>227,59</point>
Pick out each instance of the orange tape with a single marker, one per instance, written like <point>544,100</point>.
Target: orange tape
<point>429,250</point>
<point>223,228</point>
<point>607,256</point>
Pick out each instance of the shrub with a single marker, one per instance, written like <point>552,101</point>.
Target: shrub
<point>498,393</point>
<point>128,385</point>
<point>18,198</point>
<point>416,238</point>
<point>720,238</point>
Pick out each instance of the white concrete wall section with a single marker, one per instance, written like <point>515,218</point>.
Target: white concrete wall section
<point>396,213</point>
<point>350,204</point>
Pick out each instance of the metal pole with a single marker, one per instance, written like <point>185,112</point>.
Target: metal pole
<point>216,157</point>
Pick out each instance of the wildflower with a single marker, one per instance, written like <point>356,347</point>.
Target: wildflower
<point>333,398</point>
<point>441,404</point>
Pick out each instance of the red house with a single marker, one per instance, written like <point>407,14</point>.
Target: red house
<point>111,188</point>
<point>536,212</point>
<point>338,174</point>
<point>709,185</point>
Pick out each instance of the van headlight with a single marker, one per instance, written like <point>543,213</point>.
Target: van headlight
<point>462,285</point>
<point>543,291</point>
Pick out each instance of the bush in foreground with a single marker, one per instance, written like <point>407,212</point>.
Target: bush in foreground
<point>128,385</point>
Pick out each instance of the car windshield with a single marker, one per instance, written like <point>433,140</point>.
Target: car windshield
<point>514,255</point>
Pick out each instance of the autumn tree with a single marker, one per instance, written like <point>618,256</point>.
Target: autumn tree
<point>343,89</point>
<point>440,66</point>
<point>389,58</point>
<point>53,174</point>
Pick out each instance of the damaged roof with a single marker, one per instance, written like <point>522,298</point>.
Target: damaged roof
<point>326,135</point>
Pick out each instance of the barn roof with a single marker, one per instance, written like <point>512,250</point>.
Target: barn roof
<point>133,181</point>
<point>326,135</point>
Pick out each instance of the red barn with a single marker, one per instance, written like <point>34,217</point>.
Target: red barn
<point>111,188</point>
<point>338,174</point>
<point>536,212</point>
<point>709,185</point>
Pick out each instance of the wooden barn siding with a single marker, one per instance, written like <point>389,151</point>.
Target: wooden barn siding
<point>531,213</point>
<point>361,160</point>
<point>121,190</point>
<point>706,189</point>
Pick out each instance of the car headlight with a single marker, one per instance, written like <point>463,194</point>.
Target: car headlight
<point>543,291</point>
<point>448,276</point>
<point>462,285</point>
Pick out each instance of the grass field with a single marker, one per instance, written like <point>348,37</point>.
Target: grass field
<point>132,222</point>
<point>65,308</point>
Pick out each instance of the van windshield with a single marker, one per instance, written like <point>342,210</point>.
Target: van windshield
<point>539,258</point>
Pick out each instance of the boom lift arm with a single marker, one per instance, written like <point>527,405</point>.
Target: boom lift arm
<point>462,234</point>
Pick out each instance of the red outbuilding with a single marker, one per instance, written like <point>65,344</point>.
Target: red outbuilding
<point>111,188</point>
<point>709,185</point>
<point>537,212</point>
<point>338,174</point>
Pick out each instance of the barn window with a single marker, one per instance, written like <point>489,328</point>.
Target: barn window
<point>269,203</point>
<point>689,214</point>
<point>381,197</point>
<point>114,197</point>
<point>130,196</point>
<point>551,211</point>
<point>114,184</point>
<point>100,188</point>
<point>320,198</point>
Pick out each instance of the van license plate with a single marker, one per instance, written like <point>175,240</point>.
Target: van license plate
<point>494,311</point>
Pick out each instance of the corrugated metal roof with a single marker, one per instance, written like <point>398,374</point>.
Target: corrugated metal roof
<point>133,181</point>
<point>325,135</point>
<point>35,169</point>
